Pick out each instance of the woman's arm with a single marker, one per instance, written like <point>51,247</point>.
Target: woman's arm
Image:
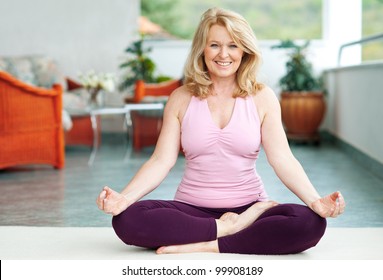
<point>151,174</point>
<point>153,171</point>
<point>278,152</point>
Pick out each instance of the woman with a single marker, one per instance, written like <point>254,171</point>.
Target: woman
<point>221,116</point>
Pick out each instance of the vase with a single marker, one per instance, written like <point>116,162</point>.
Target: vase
<point>96,98</point>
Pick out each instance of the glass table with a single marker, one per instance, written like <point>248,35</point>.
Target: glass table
<point>126,110</point>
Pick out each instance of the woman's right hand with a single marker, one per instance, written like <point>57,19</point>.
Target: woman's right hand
<point>111,202</point>
<point>331,205</point>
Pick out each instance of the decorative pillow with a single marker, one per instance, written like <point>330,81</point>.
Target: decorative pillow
<point>3,64</point>
<point>47,72</point>
<point>37,70</point>
<point>19,67</point>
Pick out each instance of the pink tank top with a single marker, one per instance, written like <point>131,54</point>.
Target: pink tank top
<point>220,163</point>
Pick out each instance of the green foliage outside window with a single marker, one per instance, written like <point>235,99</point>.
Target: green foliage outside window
<point>270,19</point>
<point>372,22</point>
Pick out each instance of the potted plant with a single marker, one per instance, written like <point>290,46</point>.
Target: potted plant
<point>139,67</point>
<point>302,97</point>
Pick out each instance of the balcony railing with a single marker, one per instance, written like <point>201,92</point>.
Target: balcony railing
<point>361,41</point>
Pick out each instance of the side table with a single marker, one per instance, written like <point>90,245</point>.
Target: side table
<point>82,132</point>
<point>126,110</point>
<point>147,124</point>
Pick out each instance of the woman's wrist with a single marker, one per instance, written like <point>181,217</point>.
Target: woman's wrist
<point>309,201</point>
<point>128,199</point>
<point>131,197</point>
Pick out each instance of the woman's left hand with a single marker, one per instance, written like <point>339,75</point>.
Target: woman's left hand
<point>331,205</point>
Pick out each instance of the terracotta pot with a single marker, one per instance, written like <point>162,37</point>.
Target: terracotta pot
<point>302,113</point>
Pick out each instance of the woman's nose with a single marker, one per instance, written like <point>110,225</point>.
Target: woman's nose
<point>224,52</point>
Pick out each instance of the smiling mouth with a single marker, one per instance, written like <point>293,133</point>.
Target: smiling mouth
<point>223,63</point>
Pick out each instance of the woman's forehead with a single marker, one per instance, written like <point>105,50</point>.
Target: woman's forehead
<point>219,33</point>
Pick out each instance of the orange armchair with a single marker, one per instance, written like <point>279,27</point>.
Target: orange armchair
<point>147,125</point>
<point>143,89</point>
<point>30,124</point>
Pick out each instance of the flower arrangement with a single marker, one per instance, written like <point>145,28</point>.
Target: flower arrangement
<point>95,82</point>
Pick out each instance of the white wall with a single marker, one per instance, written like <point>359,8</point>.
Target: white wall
<point>80,34</point>
<point>354,112</point>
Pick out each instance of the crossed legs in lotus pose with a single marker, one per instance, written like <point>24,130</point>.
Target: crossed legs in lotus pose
<point>228,224</point>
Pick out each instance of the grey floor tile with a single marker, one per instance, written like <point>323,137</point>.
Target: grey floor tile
<point>42,196</point>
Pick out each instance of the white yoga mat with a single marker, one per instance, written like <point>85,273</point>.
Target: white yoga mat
<point>100,243</point>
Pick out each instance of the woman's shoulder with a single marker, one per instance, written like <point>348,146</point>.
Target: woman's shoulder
<point>265,96</point>
<point>180,95</point>
<point>179,100</point>
<point>266,101</point>
<point>265,91</point>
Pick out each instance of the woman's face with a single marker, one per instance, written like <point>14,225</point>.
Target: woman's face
<point>222,56</point>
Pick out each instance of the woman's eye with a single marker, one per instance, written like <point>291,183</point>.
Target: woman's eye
<point>214,45</point>
<point>233,46</point>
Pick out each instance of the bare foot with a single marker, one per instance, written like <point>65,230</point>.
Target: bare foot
<point>228,223</point>
<point>231,223</point>
<point>207,247</point>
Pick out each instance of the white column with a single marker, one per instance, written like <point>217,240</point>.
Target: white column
<point>342,23</point>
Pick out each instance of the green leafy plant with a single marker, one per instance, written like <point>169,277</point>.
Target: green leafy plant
<point>138,66</point>
<point>299,75</point>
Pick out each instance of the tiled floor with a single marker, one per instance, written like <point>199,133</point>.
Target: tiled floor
<point>42,196</point>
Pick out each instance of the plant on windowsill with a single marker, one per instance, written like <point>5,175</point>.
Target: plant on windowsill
<point>302,97</point>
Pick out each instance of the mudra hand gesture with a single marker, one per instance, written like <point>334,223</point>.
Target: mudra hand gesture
<point>331,205</point>
<point>111,202</point>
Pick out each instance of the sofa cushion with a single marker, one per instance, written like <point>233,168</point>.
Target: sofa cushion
<point>38,70</point>
<point>47,72</point>
<point>19,67</point>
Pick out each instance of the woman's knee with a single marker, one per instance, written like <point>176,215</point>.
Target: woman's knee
<point>127,224</point>
<point>302,226</point>
<point>310,221</point>
<point>309,226</point>
<point>283,229</point>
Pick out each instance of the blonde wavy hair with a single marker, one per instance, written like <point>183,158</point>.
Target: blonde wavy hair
<point>197,79</point>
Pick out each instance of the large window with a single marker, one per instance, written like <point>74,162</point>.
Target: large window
<point>372,24</point>
<point>270,19</point>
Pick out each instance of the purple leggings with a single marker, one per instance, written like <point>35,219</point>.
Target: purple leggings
<point>283,229</point>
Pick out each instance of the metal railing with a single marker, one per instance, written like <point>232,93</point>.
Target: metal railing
<point>361,41</point>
